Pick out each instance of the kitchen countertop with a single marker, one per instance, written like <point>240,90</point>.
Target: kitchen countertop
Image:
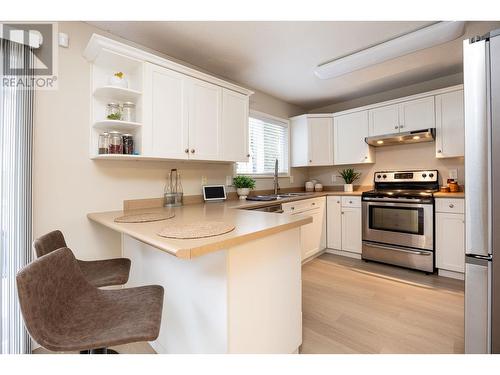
<point>250,225</point>
<point>459,194</point>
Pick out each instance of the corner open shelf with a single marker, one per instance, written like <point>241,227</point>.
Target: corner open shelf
<point>117,125</point>
<point>117,93</point>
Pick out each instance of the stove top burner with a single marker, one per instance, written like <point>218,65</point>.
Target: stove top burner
<point>399,193</point>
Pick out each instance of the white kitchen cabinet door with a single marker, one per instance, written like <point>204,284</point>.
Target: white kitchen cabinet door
<point>450,242</point>
<point>234,126</point>
<point>205,120</point>
<point>351,229</point>
<point>450,124</point>
<point>165,130</point>
<point>384,120</point>
<point>350,132</point>
<point>313,235</point>
<point>334,222</point>
<point>320,131</point>
<point>417,114</point>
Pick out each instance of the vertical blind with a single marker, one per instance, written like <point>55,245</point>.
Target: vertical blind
<point>268,141</point>
<point>16,121</point>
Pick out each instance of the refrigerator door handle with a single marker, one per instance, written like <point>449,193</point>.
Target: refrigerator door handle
<point>477,149</point>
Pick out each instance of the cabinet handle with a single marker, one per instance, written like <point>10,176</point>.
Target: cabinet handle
<point>313,203</point>
<point>292,208</point>
<point>338,201</point>
<point>366,157</point>
<point>248,155</point>
<point>451,205</point>
<point>439,151</point>
<point>401,126</point>
<point>192,150</point>
<point>342,212</point>
<point>186,150</point>
<point>350,202</point>
<point>396,127</point>
<point>310,161</point>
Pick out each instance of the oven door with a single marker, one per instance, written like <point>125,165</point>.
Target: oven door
<point>395,223</point>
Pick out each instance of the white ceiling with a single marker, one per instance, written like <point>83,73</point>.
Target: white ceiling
<point>279,58</point>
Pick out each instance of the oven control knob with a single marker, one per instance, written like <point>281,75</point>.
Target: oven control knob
<point>424,175</point>
<point>431,175</point>
<point>378,176</point>
<point>384,176</point>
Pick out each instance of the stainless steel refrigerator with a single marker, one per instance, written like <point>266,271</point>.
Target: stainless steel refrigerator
<point>482,193</point>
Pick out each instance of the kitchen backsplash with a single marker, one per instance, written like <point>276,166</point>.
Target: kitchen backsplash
<point>416,156</point>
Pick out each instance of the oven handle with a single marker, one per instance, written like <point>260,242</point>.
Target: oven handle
<point>405,250</point>
<point>395,200</point>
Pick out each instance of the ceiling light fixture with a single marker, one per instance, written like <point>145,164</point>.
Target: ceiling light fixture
<point>380,142</point>
<point>416,137</point>
<point>426,37</point>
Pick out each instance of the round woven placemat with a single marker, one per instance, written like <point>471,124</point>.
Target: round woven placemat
<point>145,217</point>
<point>200,229</point>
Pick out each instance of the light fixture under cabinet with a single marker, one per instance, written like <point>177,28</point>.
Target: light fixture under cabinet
<point>426,37</point>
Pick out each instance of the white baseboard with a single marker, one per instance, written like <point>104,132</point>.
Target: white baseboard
<point>451,274</point>
<point>313,256</point>
<point>344,253</point>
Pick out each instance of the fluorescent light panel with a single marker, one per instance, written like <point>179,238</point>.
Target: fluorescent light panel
<point>426,37</point>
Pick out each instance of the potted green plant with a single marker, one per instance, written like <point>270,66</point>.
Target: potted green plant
<point>243,184</point>
<point>349,175</point>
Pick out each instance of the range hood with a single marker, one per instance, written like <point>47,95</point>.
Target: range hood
<point>416,136</point>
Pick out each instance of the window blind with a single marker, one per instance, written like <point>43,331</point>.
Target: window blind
<point>268,141</point>
<point>16,126</point>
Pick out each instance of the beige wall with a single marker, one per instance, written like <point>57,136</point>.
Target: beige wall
<point>434,84</point>
<point>418,156</point>
<point>67,184</point>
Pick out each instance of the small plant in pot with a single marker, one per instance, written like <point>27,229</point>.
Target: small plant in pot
<point>349,175</point>
<point>243,184</point>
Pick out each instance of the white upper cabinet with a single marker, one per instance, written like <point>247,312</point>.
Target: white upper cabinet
<point>350,131</point>
<point>450,123</point>
<point>165,134</point>
<point>417,114</point>
<point>384,120</point>
<point>406,116</point>
<point>181,113</point>
<point>312,140</point>
<point>234,126</point>
<point>205,120</point>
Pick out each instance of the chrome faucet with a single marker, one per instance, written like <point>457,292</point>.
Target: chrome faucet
<point>276,183</point>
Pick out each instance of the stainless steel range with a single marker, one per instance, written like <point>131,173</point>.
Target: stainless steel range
<point>398,219</point>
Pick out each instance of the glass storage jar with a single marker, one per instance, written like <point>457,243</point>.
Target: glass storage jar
<point>113,111</point>
<point>115,143</point>
<point>103,143</point>
<point>128,111</point>
<point>128,144</point>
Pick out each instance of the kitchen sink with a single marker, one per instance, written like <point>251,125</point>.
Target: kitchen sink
<point>273,197</point>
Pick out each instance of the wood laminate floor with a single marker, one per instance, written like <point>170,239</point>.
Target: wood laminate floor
<point>351,306</point>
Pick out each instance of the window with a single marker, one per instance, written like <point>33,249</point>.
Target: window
<point>268,141</point>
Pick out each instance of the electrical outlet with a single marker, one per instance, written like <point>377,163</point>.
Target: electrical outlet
<point>334,178</point>
<point>204,180</point>
<point>229,180</point>
<point>453,173</point>
<point>291,179</point>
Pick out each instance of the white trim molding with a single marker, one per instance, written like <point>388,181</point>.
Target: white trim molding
<point>97,43</point>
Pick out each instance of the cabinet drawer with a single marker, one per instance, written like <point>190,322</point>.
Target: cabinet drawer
<point>297,206</point>
<point>450,205</point>
<point>350,201</point>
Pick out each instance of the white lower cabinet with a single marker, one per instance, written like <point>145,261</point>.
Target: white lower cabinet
<point>313,235</point>
<point>344,223</point>
<point>450,235</point>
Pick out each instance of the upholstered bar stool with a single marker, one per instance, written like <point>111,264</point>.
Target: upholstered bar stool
<point>64,312</point>
<point>98,272</point>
